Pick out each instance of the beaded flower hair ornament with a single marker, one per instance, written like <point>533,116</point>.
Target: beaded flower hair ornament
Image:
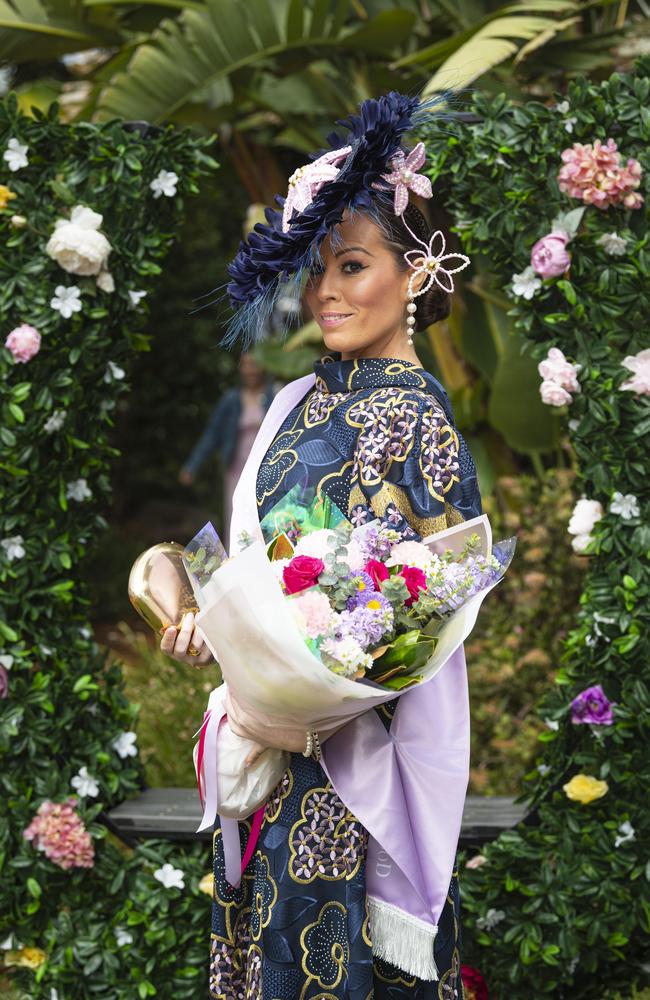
<point>352,175</point>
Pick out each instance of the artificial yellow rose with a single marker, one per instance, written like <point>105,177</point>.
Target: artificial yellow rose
<point>5,196</point>
<point>584,788</point>
<point>29,958</point>
<point>207,884</point>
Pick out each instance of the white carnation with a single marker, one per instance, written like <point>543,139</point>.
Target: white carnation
<point>76,243</point>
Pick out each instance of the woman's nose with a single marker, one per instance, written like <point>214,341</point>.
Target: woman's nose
<point>327,287</point>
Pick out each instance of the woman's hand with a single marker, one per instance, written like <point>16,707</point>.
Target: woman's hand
<point>176,642</point>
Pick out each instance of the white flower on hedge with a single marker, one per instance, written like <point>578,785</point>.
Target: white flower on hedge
<point>122,937</point>
<point>563,108</point>
<point>585,515</point>
<point>14,547</point>
<point>106,281</point>
<point>625,505</point>
<point>53,994</point>
<point>15,155</point>
<point>135,297</point>
<point>76,243</point>
<point>55,421</point>
<point>491,919</point>
<point>626,833</point>
<point>18,221</point>
<point>552,724</point>
<point>543,769</point>
<point>84,784</point>
<point>7,661</point>
<point>612,244</point>
<point>165,183</point>
<point>124,745</point>
<point>639,365</point>
<point>66,300</point>
<point>78,490</point>
<point>170,877</point>
<point>526,283</point>
<point>113,373</point>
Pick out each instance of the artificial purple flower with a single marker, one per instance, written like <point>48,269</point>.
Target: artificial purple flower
<point>592,706</point>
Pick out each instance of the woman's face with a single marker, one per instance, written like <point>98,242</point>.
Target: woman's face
<point>359,297</point>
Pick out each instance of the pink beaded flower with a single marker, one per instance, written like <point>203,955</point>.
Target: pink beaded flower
<point>432,265</point>
<point>405,178</point>
<point>596,175</point>
<point>306,181</point>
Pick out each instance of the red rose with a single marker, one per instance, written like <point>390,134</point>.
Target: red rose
<point>415,580</point>
<point>377,571</point>
<point>474,986</point>
<point>302,572</point>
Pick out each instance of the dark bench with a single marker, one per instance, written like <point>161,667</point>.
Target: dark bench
<point>175,813</point>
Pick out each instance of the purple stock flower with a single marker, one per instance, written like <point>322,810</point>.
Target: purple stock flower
<point>4,683</point>
<point>592,706</point>
<point>366,625</point>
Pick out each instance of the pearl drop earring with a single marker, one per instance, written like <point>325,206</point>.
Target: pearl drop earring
<point>410,319</point>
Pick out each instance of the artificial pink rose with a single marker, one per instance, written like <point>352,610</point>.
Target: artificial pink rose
<point>553,394</point>
<point>549,257</point>
<point>302,572</point>
<point>415,579</point>
<point>556,368</point>
<point>377,571</point>
<point>23,342</point>
<point>474,985</point>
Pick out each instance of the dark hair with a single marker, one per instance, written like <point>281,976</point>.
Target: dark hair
<point>435,304</point>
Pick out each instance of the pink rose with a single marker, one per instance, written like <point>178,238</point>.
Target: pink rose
<point>556,368</point>
<point>302,572</point>
<point>549,257</point>
<point>377,571</point>
<point>415,580</point>
<point>23,342</point>
<point>553,394</point>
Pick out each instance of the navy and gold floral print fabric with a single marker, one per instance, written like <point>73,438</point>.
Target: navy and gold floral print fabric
<point>377,436</point>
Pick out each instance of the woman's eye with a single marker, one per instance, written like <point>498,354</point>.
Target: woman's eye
<point>352,267</point>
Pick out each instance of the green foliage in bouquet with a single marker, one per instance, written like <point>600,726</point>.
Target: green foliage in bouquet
<point>561,906</point>
<point>81,915</point>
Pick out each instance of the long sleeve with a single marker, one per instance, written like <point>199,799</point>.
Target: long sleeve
<point>216,435</point>
<point>411,468</point>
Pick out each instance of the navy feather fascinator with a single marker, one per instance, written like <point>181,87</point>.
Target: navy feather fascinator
<point>281,249</point>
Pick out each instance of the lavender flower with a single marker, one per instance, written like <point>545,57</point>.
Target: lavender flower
<point>593,707</point>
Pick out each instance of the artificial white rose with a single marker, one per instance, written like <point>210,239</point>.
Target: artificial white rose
<point>579,543</point>
<point>76,243</point>
<point>585,515</point>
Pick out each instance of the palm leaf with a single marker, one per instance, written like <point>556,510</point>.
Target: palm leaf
<point>492,44</point>
<point>203,46</point>
<point>36,29</point>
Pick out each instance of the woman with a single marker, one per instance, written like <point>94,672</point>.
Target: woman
<point>376,435</point>
<point>232,427</point>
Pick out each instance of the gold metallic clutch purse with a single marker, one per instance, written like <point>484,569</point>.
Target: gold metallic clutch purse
<point>159,587</point>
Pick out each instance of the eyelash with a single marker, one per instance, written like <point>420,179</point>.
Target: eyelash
<point>316,273</point>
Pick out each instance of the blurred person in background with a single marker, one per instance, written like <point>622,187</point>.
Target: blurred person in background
<point>232,428</point>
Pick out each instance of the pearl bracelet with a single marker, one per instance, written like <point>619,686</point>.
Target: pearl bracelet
<point>312,747</point>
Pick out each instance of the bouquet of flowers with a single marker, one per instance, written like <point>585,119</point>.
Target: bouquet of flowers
<point>316,622</point>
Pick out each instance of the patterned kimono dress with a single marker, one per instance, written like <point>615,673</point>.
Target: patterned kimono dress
<point>376,436</point>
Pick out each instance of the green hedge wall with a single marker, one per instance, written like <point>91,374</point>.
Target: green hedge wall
<point>560,907</point>
<point>115,929</point>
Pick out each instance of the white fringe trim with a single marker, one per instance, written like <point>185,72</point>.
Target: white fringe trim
<point>402,939</point>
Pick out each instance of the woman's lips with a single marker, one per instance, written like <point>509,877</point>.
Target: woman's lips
<point>332,319</point>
